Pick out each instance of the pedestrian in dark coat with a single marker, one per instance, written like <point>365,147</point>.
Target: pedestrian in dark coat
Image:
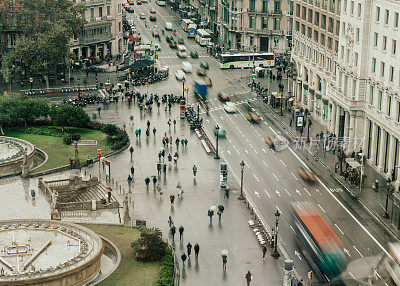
<point>248,278</point>
<point>264,251</point>
<point>196,250</point>
<point>189,249</point>
<point>132,171</point>
<point>183,257</point>
<point>181,229</point>
<point>172,199</point>
<point>173,231</point>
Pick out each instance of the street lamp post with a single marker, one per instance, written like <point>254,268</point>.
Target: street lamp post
<point>79,88</point>
<point>387,198</point>
<point>216,149</point>
<point>308,129</point>
<point>275,253</point>
<point>183,91</point>
<point>241,197</point>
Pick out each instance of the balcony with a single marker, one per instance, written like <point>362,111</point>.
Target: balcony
<point>265,32</point>
<point>89,3</point>
<point>95,39</point>
<point>100,20</point>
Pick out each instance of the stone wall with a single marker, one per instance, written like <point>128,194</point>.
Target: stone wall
<point>13,164</point>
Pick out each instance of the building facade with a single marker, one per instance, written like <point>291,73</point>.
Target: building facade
<point>316,27</point>
<point>250,24</point>
<point>103,31</point>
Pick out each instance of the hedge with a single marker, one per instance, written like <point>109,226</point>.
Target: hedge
<point>166,273</point>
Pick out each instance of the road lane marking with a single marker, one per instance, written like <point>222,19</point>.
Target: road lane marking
<point>256,177</point>
<point>238,152</point>
<point>250,145</point>
<point>352,276</point>
<point>294,176</point>
<point>278,210</point>
<point>257,194</point>
<point>229,152</point>
<point>321,208</point>
<point>339,229</point>
<point>267,193</point>
<point>275,177</point>
<point>297,191</point>
<point>307,192</point>
<point>245,150</point>
<point>234,147</point>
<point>247,165</point>
<point>247,141</point>
<point>229,140</point>
<point>278,193</point>
<point>255,151</point>
<point>288,192</point>
<point>264,151</point>
<point>282,162</point>
<point>358,251</point>
<point>265,164</point>
<point>291,227</point>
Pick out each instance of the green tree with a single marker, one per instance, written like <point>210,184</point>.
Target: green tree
<point>47,28</point>
<point>149,246</point>
<point>68,115</point>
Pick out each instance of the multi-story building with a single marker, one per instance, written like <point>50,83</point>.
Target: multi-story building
<point>103,31</point>
<point>245,25</point>
<point>366,93</point>
<point>9,29</point>
<point>316,27</point>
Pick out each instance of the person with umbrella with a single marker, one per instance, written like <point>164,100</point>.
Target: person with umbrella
<point>129,180</point>
<point>109,190</point>
<point>224,255</point>
<point>170,222</point>
<point>147,182</point>
<point>210,214</point>
<point>220,211</point>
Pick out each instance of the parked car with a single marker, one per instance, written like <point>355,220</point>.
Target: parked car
<point>223,96</point>
<point>180,41</point>
<point>172,44</point>
<point>180,75</point>
<point>168,26</point>
<point>204,65</point>
<point>152,11</point>
<point>142,16</point>
<point>186,67</point>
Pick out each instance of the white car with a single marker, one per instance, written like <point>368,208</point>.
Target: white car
<point>168,26</point>
<point>142,16</point>
<point>186,67</point>
<point>180,75</point>
<point>229,107</point>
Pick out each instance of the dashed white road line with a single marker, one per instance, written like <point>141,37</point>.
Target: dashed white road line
<point>275,177</point>
<point>282,162</point>
<point>238,152</point>
<point>265,164</point>
<point>245,150</point>
<point>256,177</point>
<point>229,152</point>
<point>255,151</point>
<point>278,210</point>
<point>321,208</point>
<point>358,251</point>
<point>339,229</point>
<point>294,176</point>
<point>264,151</point>
<point>288,192</point>
<point>267,193</point>
<point>307,192</point>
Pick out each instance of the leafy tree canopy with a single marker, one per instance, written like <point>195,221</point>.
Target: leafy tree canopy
<point>68,115</point>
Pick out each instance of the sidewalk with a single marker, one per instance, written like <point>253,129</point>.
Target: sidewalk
<point>372,202</point>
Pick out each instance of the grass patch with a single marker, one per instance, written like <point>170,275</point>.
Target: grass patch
<point>58,152</point>
<point>130,271</point>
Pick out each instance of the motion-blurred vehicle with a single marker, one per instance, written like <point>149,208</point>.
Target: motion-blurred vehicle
<point>180,75</point>
<point>223,96</point>
<point>138,2</point>
<point>253,117</point>
<point>186,67</point>
<point>152,11</point>
<point>201,72</point>
<point>220,132</point>
<point>180,41</point>
<point>229,107</point>
<point>204,65</point>
<point>275,143</point>
<point>129,9</point>
<point>168,26</point>
<point>172,44</point>
<point>169,39</point>
<point>160,3</point>
<point>307,175</point>
<point>194,55</point>
<point>155,34</point>
<point>320,245</point>
<point>144,1</point>
<point>142,16</point>
<point>153,18</point>
<point>209,81</point>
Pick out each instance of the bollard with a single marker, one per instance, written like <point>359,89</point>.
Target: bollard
<point>288,273</point>
<point>251,211</point>
<point>90,176</point>
<point>112,181</point>
<point>119,188</point>
<point>248,205</point>
<point>116,184</point>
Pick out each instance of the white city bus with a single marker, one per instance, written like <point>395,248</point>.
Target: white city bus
<point>245,60</point>
<point>185,24</point>
<point>202,37</point>
<point>181,51</point>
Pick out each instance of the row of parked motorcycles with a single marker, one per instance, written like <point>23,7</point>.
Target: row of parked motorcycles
<point>62,90</point>
<point>150,79</point>
<point>85,99</point>
<point>191,116</point>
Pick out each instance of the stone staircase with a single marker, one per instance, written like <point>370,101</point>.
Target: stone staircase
<point>93,193</point>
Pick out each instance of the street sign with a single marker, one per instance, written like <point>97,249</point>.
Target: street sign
<point>99,152</point>
<point>253,75</point>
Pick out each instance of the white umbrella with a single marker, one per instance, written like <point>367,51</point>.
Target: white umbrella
<point>213,208</point>
<point>224,252</point>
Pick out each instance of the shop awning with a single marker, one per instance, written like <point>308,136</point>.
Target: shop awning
<point>353,163</point>
<point>277,95</point>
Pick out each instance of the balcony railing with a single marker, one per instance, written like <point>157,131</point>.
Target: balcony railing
<point>265,32</point>
<point>103,19</point>
<point>95,39</point>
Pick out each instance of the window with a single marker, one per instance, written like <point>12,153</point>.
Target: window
<point>389,105</point>
<point>277,6</point>
<point>303,29</point>
<point>351,7</point>
<point>337,28</point>
<point>323,22</point>
<point>386,16</point>
<point>252,5</point>
<point>330,42</point>
<point>396,20</point>
<point>316,19</point>
<point>100,12</point>
<point>384,42</point>
<point>297,10</point>
<point>265,6</point>
<point>345,6</point>
<point>357,34</point>
<point>378,12</point>
<point>382,69</point>
<point>398,112</point>
<point>251,21</point>
<point>322,60</point>
<point>394,47</point>
<point>342,52</point>
<point>373,64</point>
<point>330,27</point>
<point>309,32</point>
<point>347,56</point>
<point>379,100</point>
<point>277,24</point>
<point>359,10</point>
<point>391,74</point>
<point>355,59</point>
<point>119,27</point>
<point>371,95</point>
<point>344,28</point>
<point>310,14</point>
<point>322,39</point>
<point>297,26</point>
<point>108,10</point>
<point>316,36</point>
<point>92,13</point>
<point>375,39</point>
<point>304,13</point>
<point>264,22</point>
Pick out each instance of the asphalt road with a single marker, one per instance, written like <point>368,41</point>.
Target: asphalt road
<point>270,177</point>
